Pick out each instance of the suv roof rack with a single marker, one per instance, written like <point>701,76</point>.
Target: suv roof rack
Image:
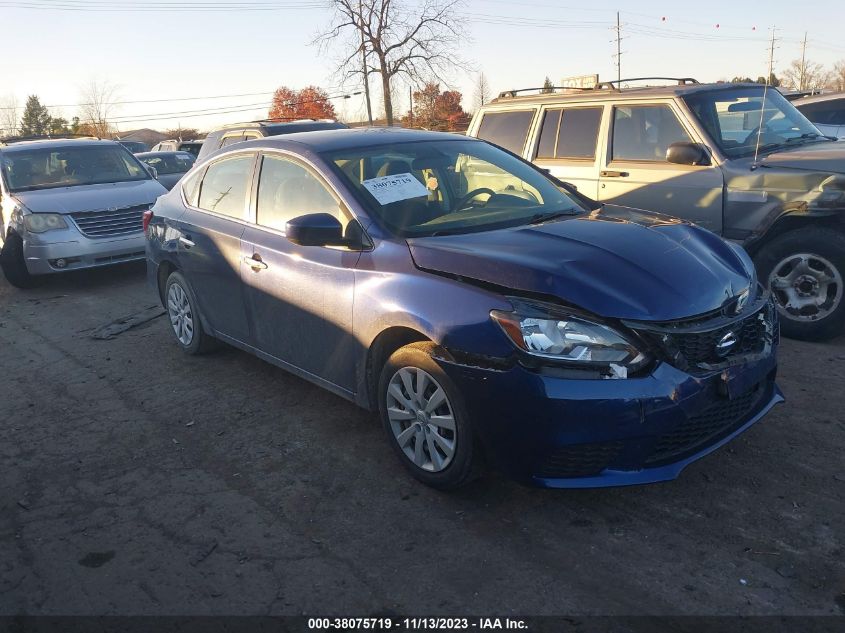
<point>602,85</point>
<point>8,140</point>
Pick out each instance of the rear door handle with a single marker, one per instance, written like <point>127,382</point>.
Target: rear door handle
<point>186,241</point>
<point>614,174</point>
<point>255,262</point>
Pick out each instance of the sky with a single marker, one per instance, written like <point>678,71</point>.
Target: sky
<point>166,50</point>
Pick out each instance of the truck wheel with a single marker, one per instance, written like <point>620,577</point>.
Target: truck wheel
<point>14,265</point>
<point>805,270</point>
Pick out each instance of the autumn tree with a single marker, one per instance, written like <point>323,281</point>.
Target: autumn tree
<point>435,110</point>
<point>184,133</point>
<point>309,103</point>
<point>36,118</point>
<point>395,38</point>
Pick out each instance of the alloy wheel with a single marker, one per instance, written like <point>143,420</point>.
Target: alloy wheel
<point>421,418</point>
<point>180,313</point>
<point>806,287</point>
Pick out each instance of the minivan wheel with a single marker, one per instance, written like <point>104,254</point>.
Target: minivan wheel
<point>805,270</point>
<point>181,305</point>
<point>14,264</point>
<point>424,417</point>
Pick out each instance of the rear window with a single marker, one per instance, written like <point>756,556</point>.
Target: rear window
<point>824,112</point>
<point>225,185</point>
<point>506,129</point>
<point>570,133</point>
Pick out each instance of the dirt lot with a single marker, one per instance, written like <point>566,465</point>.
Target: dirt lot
<point>136,480</point>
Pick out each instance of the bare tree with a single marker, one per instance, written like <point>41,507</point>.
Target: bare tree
<point>837,78</point>
<point>396,39</point>
<point>807,77</point>
<point>10,111</point>
<point>482,91</point>
<point>97,106</point>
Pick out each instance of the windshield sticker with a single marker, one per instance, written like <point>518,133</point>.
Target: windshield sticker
<point>388,189</point>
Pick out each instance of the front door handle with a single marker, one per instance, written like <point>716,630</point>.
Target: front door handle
<point>614,174</point>
<point>255,262</point>
<point>186,241</point>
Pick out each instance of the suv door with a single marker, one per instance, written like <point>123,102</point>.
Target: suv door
<point>567,145</point>
<point>299,297</point>
<point>209,241</point>
<point>636,173</point>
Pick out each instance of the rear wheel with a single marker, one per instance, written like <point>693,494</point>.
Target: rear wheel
<point>425,419</point>
<point>805,270</point>
<point>14,265</point>
<point>181,305</point>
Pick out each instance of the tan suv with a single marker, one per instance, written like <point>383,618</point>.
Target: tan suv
<point>738,159</point>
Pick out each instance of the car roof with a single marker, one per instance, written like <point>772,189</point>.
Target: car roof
<point>54,142</point>
<point>311,124</point>
<point>175,152</point>
<point>613,94</point>
<point>817,98</point>
<point>348,138</point>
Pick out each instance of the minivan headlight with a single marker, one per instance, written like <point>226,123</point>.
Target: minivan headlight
<point>572,340</point>
<point>41,222</point>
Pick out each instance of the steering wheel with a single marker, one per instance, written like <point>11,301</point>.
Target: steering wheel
<point>472,194</point>
<point>752,137</point>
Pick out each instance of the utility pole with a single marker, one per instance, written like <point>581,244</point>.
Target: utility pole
<point>618,30</point>
<point>364,62</point>
<point>801,82</point>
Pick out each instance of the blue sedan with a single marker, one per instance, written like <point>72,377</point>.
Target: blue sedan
<point>490,314</point>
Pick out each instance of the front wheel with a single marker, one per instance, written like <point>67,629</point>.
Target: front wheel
<point>14,265</point>
<point>805,270</point>
<point>425,419</point>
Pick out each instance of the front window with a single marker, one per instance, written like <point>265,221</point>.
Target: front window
<point>444,187</point>
<point>49,168</point>
<point>739,119</point>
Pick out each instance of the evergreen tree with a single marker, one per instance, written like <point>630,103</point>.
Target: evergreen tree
<point>36,118</point>
<point>548,86</point>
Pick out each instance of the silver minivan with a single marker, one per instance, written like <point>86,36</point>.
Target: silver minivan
<point>70,204</point>
<point>738,159</point>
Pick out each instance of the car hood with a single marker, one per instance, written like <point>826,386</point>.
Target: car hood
<point>91,197</point>
<point>615,262</point>
<point>829,157</point>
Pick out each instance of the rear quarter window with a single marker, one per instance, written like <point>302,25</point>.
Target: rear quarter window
<point>506,129</point>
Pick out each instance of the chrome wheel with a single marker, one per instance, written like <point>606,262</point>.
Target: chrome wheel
<point>806,287</point>
<point>180,313</point>
<point>421,419</point>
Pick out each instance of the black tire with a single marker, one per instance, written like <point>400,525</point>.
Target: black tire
<point>14,265</point>
<point>200,341</point>
<point>828,244</point>
<point>466,462</point>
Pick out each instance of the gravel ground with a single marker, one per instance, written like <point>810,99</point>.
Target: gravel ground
<point>137,480</point>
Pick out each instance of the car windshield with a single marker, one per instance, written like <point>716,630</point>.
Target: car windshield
<point>177,163</point>
<point>51,167</point>
<point>740,118</point>
<point>429,188</point>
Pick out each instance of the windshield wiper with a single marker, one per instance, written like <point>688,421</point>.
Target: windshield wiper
<point>552,215</point>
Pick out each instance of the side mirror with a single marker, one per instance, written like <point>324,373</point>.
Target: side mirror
<point>686,153</point>
<point>151,170</point>
<point>315,229</point>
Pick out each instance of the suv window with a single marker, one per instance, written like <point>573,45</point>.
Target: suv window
<point>645,132</point>
<point>506,129</point>
<point>228,140</point>
<point>570,133</point>
<point>825,112</point>
<point>287,190</point>
<point>225,185</point>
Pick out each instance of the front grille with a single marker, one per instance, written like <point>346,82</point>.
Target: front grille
<point>110,223</point>
<point>695,344</point>
<point>701,429</point>
<point>579,460</point>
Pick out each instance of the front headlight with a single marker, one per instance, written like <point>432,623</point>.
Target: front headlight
<point>41,222</point>
<point>571,340</point>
